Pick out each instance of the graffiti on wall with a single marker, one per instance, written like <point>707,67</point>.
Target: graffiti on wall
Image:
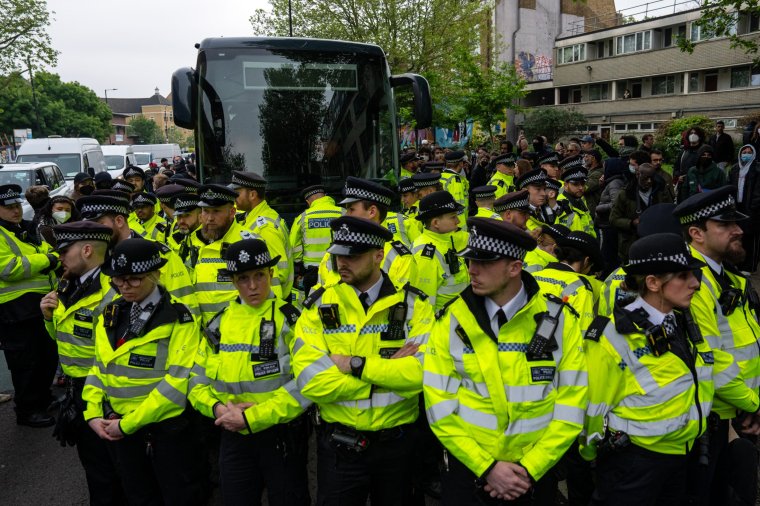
<point>534,68</point>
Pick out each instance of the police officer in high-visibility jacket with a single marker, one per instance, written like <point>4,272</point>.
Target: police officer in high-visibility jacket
<point>535,182</point>
<point>727,305</point>
<point>113,212</point>
<point>187,219</point>
<point>26,266</point>
<point>369,200</point>
<point>441,274</point>
<point>310,236</point>
<point>358,353</point>
<point>71,314</point>
<point>408,193</point>
<point>454,181</point>
<point>484,197</point>
<point>504,176</point>
<point>243,380</point>
<point>217,232</point>
<point>545,252</point>
<point>514,208</point>
<point>652,379</point>
<point>505,376</point>
<point>165,196</point>
<point>144,207</point>
<point>136,392</point>
<point>577,216</point>
<point>264,223</point>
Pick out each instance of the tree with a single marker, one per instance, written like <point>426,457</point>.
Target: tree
<point>65,109</point>
<point>145,130</point>
<point>719,18</point>
<point>24,40</point>
<point>668,134</point>
<point>553,122</point>
<point>179,136</point>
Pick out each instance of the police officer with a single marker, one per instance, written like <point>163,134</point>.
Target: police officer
<point>310,236</point>
<point>265,224</point>
<point>408,164</point>
<point>505,376</point>
<point>514,208</point>
<point>243,380</point>
<point>217,232</point>
<point>357,355</point>
<point>577,217</point>
<point>652,378</point>
<point>166,196</point>
<point>136,393</point>
<point>144,207</point>
<point>455,182</point>
<point>369,200</point>
<point>441,274</point>
<point>113,212</point>
<point>70,317</point>
<point>550,164</point>
<point>545,252</point>
<point>426,183</point>
<point>484,197</point>
<point>26,265</point>
<point>187,220</point>
<point>124,190</point>
<point>405,229</point>
<point>553,211</point>
<point>504,176</point>
<point>727,305</point>
<point>535,182</point>
<point>135,176</point>
<point>408,193</point>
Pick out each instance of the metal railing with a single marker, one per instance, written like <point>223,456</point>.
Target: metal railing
<point>635,14</point>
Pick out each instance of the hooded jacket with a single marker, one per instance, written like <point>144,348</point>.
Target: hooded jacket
<point>700,179</point>
<point>745,177</point>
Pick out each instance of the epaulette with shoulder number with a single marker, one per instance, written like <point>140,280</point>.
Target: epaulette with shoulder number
<point>163,248</point>
<point>400,248</point>
<point>291,313</point>
<point>240,217</point>
<point>313,297</point>
<point>161,227</point>
<point>416,291</point>
<point>444,308</point>
<point>428,251</point>
<point>185,316</point>
<point>595,330</point>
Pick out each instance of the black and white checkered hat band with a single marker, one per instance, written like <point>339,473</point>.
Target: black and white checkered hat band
<point>578,174</point>
<point>345,235</point>
<point>185,204</point>
<point>553,185</point>
<point>260,259</point>
<point>10,194</point>
<point>426,182</point>
<point>211,195</point>
<point>729,204</point>
<point>65,237</point>
<point>141,200</point>
<point>313,192</point>
<point>514,204</point>
<point>448,205</point>
<point>679,259</point>
<point>485,195</point>
<point>247,183</point>
<point>94,210</point>
<point>549,159</point>
<point>537,178</point>
<point>362,194</point>
<point>137,267</point>
<point>407,187</point>
<point>121,187</point>
<point>495,245</point>
<point>132,173</point>
<point>577,162</point>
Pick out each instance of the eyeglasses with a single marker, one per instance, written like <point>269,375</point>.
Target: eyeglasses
<point>133,281</point>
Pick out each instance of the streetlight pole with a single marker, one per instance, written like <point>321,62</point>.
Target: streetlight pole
<point>34,96</point>
<point>109,106</point>
<point>290,17</point>
<point>106,92</point>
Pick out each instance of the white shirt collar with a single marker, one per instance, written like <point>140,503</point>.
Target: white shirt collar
<point>153,298</point>
<point>715,266</point>
<point>373,292</point>
<point>87,274</point>
<point>656,316</point>
<point>510,308</point>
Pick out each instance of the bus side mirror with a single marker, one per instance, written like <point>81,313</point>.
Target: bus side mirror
<point>183,92</point>
<point>423,105</point>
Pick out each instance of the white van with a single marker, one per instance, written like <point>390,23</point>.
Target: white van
<point>31,174</point>
<point>118,158</point>
<point>72,155</point>
<point>158,151</point>
<point>143,159</point>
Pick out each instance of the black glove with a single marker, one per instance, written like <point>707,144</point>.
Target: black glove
<point>69,416</point>
<point>53,264</point>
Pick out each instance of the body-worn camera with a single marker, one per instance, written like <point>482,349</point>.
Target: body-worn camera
<point>330,316</point>
<point>614,442</point>
<point>351,440</point>
<point>729,300</point>
<point>657,339</point>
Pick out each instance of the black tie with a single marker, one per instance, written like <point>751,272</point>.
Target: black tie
<point>501,318</point>
<point>364,299</point>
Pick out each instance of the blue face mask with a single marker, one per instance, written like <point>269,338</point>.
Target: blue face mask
<point>746,157</point>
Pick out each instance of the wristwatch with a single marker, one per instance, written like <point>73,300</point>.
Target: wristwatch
<point>357,366</point>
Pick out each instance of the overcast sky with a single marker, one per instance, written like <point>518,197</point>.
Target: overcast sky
<point>135,45</point>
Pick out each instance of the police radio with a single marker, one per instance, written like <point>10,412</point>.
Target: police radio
<point>266,338</point>
<point>396,319</point>
<point>692,329</point>
<point>451,258</point>
<point>543,342</point>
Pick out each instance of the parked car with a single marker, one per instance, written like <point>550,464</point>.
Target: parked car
<point>32,174</point>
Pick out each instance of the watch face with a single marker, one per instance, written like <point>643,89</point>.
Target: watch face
<point>356,362</point>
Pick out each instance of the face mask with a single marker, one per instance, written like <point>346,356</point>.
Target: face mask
<point>86,190</point>
<point>746,157</point>
<point>631,169</point>
<point>693,138</point>
<point>61,216</point>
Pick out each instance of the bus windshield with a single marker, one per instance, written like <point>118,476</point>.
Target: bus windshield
<point>295,118</point>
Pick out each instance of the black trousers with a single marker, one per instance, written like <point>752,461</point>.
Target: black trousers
<point>32,358</point>
<point>382,472</point>
<point>274,459</point>
<point>158,465</point>
<point>459,489</point>
<point>579,475</point>
<point>103,481</point>
<point>634,476</point>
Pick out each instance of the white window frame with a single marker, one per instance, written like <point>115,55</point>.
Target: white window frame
<point>642,41</point>
<point>577,53</point>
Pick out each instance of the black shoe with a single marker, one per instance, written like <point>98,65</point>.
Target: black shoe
<point>36,420</point>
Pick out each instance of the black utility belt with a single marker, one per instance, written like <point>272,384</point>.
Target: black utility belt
<point>375,436</point>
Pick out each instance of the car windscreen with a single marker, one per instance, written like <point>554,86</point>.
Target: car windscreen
<point>114,161</point>
<point>142,159</point>
<point>69,163</point>
<point>23,178</point>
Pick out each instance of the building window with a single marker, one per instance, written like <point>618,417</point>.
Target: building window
<point>576,96</point>
<point>740,77</point>
<point>620,128</point>
<point>663,85</point>
<point>572,54</point>
<point>633,42</point>
<point>599,91</point>
<point>667,37</point>
<point>703,33</point>
<point>693,82</point>
<point>754,22</point>
<point>711,82</point>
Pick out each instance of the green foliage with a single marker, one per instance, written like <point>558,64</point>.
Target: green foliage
<point>65,109</point>
<point>553,122</point>
<point>668,135</point>
<point>145,130</point>
<point>719,19</point>
<point>24,40</point>
<point>178,136</point>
